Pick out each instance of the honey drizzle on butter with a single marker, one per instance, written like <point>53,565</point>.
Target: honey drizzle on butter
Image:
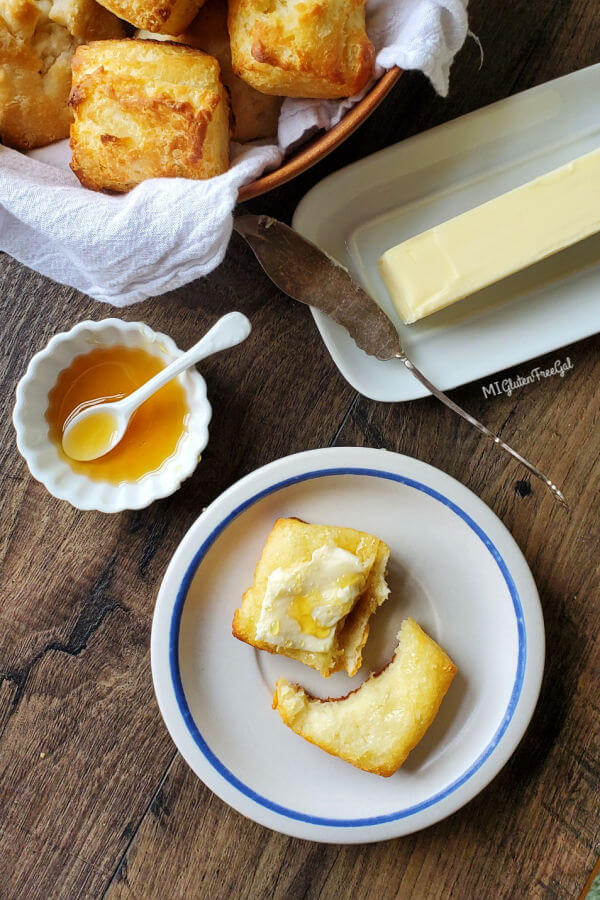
<point>300,609</point>
<point>302,606</point>
<point>110,373</point>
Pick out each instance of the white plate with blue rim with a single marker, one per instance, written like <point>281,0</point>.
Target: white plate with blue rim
<point>453,567</point>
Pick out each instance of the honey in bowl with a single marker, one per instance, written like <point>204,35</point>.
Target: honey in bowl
<point>155,428</point>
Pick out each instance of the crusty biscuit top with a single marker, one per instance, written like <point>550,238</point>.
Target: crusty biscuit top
<point>37,39</point>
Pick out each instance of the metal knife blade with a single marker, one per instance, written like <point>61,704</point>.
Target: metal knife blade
<point>304,272</point>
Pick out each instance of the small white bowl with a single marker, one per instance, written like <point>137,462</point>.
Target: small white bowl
<point>41,454</point>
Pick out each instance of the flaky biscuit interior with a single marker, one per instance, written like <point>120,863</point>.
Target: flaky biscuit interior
<point>292,541</point>
<point>376,726</point>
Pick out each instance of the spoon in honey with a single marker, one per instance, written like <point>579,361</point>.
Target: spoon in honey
<point>97,429</point>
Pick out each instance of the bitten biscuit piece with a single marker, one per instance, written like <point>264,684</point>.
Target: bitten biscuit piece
<point>145,109</point>
<point>255,115</point>
<point>313,48</point>
<point>376,726</point>
<point>37,40</point>
<point>315,589</point>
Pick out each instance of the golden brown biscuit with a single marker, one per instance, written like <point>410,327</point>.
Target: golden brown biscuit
<point>301,48</point>
<point>375,727</point>
<point>37,40</point>
<point>284,621</point>
<point>159,16</point>
<point>255,115</point>
<point>146,109</point>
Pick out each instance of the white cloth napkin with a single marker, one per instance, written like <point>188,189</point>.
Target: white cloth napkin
<point>169,231</point>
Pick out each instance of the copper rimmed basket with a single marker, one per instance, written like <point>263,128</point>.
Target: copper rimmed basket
<point>317,149</point>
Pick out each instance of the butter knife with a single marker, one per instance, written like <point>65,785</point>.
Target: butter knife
<point>305,273</point>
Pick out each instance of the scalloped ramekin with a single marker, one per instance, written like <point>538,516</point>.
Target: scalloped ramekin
<point>42,456</point>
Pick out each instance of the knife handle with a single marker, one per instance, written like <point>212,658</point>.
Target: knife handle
<point>439,395</point>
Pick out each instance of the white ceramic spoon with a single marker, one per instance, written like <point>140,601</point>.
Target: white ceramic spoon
<point>99,428</point>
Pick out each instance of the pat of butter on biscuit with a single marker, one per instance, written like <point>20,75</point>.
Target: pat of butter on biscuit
<point>303,603</point>
<point>434,269</point>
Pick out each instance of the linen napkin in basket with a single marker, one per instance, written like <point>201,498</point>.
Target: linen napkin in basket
<point>168,231</point>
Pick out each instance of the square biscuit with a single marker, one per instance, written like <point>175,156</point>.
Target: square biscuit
<point>292,541</point>
<point>313,48</point>
<point>146,109</point>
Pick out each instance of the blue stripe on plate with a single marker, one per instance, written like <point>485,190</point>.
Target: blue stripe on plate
<point>216,762</point>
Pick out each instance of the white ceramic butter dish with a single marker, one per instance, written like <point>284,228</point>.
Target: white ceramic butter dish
<point>359,212</point>
<point>44,459</point>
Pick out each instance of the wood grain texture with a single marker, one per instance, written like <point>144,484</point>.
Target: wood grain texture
<point>93,797</point>
<point>78,588</point>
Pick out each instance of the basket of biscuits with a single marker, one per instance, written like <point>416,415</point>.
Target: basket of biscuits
<point>160,88</point>
<point>129,129</point>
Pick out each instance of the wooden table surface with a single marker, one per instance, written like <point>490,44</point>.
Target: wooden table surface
<point>94,799</point>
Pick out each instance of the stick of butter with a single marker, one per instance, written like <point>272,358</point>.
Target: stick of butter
<point>438,267</point>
